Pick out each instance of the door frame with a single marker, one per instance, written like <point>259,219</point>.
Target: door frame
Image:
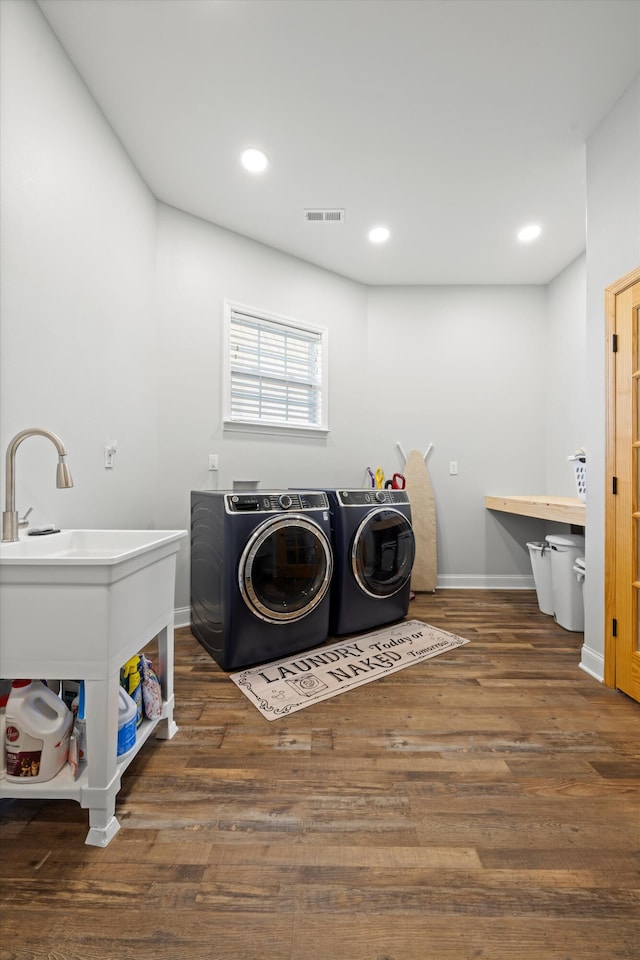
<point>610,649</point>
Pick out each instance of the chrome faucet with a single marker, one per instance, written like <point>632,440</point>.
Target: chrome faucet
<point>10,521</point>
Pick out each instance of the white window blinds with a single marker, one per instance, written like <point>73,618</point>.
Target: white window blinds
<point>275,371</point>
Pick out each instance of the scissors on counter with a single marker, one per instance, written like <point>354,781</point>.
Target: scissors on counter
<point>379,478</point>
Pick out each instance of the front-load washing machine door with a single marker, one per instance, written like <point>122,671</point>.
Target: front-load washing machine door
<point>285,568</point>
<point>383,552</point>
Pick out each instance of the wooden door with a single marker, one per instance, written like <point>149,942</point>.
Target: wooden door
<point>622,554</point>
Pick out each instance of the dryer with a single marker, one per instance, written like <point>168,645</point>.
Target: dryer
<point>261,566</point>
<point>374,550</point>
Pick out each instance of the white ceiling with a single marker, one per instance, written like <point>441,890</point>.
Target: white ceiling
<point>452,122</point>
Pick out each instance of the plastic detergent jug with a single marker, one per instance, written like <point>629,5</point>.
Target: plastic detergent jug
<point>37,732</point>
<point>3,759</point>
<point>127,722</point>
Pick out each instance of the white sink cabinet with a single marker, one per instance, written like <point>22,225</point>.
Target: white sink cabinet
<point>77,605</point>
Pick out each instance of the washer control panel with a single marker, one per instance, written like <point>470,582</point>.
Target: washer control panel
<point>267,502</point>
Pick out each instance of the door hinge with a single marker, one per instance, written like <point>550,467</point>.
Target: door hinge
<point>614,627</point>
<point>614,342</point>
<point>614,485</point>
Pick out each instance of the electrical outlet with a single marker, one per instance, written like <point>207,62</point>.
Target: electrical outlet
<point>213,461</point>
<point>453,468</point>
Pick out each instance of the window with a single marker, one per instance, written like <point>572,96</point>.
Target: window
<point>275,378</point>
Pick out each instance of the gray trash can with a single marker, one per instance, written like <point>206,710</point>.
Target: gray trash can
<point>540,554</point>
<point>568,604</point>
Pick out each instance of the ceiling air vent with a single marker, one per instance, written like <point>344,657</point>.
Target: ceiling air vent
<point>317,215</point>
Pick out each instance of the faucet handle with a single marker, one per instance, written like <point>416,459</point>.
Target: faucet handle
<point>23,521</point>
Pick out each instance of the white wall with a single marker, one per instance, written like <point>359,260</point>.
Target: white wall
<point>199,266</point>
<point>613,250</point>
<point>565,384</point>
<point>462,368</point>
<point>100,342</point>
<point>77,254</point>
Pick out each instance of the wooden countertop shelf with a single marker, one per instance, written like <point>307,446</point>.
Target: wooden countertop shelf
<point>561,509</point>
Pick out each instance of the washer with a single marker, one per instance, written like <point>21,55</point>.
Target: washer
<point>374,550</point>
<point>261,566</point>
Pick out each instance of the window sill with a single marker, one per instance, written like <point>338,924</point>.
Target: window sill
<point>275,429</point>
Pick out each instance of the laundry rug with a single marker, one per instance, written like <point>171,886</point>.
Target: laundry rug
<point>293,683</point>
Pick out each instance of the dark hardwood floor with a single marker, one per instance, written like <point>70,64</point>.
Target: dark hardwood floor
<point>483,804</point>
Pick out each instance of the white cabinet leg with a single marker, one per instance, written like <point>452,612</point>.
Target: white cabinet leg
<point>166,728</point>
<point>103,780</point>
<point>102,827</point>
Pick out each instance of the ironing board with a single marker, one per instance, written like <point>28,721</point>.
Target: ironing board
<point>423,519</point>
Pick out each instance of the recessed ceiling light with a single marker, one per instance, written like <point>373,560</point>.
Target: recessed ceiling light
<point>529,233</point>
<point>378,235</point>
<point>254,160</point>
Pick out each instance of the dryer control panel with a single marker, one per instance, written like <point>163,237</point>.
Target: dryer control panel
<point>276,502</point>
<point>365,498</point>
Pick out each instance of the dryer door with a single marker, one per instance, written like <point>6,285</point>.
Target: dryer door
<point>382,553</point>
<point>285,568</point>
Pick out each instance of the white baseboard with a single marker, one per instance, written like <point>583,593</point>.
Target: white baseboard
<point>592,663</point>
<point>182,617</point>
<point>479,582</point>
